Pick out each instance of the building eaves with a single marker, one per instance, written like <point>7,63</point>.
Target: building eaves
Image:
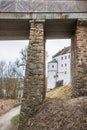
<point>65,50</point>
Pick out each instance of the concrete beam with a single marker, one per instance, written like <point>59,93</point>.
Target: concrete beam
<point>19,29</point>
<point>40,15</point>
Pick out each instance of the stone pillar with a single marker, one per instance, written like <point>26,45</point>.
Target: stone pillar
<point>34,84</point>
<point>79,60</point>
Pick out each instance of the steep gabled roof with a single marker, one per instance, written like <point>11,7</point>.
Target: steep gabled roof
<point>65,50</point>
<point>53,61</point>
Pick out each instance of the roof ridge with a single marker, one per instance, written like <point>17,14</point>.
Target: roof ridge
<point>63,51</point>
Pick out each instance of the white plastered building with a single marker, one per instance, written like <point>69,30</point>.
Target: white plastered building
<point>58,71</point>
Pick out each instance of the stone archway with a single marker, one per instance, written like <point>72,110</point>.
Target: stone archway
<point>34,91</point>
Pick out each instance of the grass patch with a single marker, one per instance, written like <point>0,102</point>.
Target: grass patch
<point>15,120</point>
<point>63,92</point>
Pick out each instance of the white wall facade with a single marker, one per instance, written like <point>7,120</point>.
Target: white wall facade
<point>51,74</point>
<point>61,71</point>
<point>64,67</point>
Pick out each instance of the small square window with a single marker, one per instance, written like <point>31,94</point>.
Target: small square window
<point>61,65</point>
<point>61,58</point>
<point>65,57</point>
<point>54,76</point>
<point>68,56</point>
<point>52,66</point>
<point>65,64</point>
<point>65,72</point>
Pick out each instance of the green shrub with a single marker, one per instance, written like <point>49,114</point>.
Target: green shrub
<point>15,120</point>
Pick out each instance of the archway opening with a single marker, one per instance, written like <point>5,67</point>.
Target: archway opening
<point>58,63</point>
<point>12,68</point>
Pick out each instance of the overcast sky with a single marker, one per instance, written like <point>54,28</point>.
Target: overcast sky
<point>10,50</point>
<point>53,46</point>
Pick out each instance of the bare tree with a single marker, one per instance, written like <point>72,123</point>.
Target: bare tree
<point>12,76</point>
<point>2,68</point>
<point>24,55</point>
<point>10,79</point>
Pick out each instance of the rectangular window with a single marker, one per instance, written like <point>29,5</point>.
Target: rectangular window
<point>65,57</point>
<point>54,76</point>
<point>65,72</point>
<point>52,66</point>
<point>61,58</point>
<point>68,56</point>
<point>61,65</point>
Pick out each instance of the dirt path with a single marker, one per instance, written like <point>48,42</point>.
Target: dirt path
<point>7,104</point>
<point>5,119</point>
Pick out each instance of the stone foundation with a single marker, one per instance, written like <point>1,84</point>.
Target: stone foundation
<point>34,90</point>
<point>79,60</point>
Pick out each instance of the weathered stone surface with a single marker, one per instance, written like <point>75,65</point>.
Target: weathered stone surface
<point>43,6</point>
<point>34,90</point>
<point>56,114</point>
<point>79,59</point>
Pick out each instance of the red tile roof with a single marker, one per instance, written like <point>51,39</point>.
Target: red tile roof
<point>65,50</point>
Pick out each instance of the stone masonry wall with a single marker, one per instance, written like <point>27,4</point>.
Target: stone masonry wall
<point>79,60</point>
<point>34,88</point>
